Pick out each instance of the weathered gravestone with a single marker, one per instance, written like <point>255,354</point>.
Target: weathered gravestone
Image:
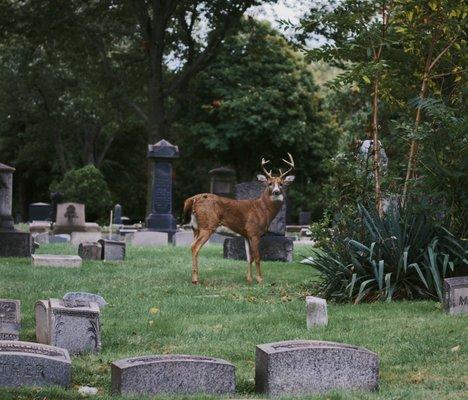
<point>39,211</point>
<point>304,217</point>
<point>160,218</point>
<point>90,251</point>
<point>304,367</point>
<point>147,238</point>
<point>70,218</point>
<point>117,214</point>
<point>13,243</point>
<point>55,260</point>
<point>456,295</point>
<point>113,250</point>
<point>272,248</point>
<point>316,312</point>
<point>76,238</point>
<point>10,319</point>
<point>70,324</point>
<point>41,238</point>
<point>222,181</point>
<point>25,364</point>
<point>85,297</point>
<point>173,374</point>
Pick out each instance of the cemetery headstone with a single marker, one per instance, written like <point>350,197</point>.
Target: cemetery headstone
<point>70,218</point>
<point>173,374</point>
<point>56,198</point>
<point>25,364</point>
<point>39,211</point>
<point>85,297</point>
<point>306,367</point>
<point>10,319</point>
<point>90,251</point>
<point>222,181</point>
<point>272,248</point>
<point>304,217</point>
<point>76,238</point>
<point>456,295</point>
<point>13,243</point>
<point>147,238</point>
<point>70,324</point>
<point>55,260</point>
<point>113,250</point>
<point>316,312</point>
<point>118,214</point>
<point>161,218</point>
<point>182,238</point>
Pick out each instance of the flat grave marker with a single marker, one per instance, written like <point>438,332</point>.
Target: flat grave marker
<point>56,260</point>
<point>25,364</point>
<point>173,374</point>
<point>305,367</point>
<point>147,238</point>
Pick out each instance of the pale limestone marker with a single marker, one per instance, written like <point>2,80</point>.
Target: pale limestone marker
<point>316,312</point>
<point>70,324</point>
<point>456,295</point>
<point>55,260</point>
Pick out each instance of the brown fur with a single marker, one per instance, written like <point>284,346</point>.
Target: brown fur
<point>249,218</point>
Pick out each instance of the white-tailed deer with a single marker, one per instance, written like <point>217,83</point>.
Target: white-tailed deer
<point>248,218</point>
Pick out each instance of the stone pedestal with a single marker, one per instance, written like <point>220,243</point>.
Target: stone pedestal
<point>272,248</point>
<point>160,218</point>
<point>69,324</point>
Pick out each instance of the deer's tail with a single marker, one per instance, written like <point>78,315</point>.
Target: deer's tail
<point>188,205</point>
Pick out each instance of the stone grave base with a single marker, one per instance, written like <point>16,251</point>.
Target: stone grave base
<point>55,260</point>
<point>272,248</point>
<point>16,244</point>
<point>80,237</point>
<point>147,238</point>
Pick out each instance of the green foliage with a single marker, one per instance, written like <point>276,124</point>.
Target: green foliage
<point>87,185</point>
<point>400,256</point>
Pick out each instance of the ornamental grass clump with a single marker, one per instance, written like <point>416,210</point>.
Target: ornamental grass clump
<point>402,255</point>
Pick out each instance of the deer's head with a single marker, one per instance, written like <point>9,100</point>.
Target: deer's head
<point>277,184</point>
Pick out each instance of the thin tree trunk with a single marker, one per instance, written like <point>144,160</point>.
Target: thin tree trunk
<point>376,147</point>
<point>60,150</point>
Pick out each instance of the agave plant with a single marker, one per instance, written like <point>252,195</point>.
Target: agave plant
<point>400,255</point>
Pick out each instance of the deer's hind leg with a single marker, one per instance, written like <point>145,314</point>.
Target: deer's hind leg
<point>198,242</point>
<point>248,254</point>
<point>254,243</point>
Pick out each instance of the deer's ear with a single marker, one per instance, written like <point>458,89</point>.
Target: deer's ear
<point>289,179</point>
<point>261,178</point>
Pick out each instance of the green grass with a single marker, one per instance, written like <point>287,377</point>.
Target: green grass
<point>225,317</point>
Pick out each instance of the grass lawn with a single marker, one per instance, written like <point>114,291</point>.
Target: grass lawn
<point>225,317</point>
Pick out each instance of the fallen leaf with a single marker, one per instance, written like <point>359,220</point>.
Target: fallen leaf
<point>153,310</point>
<point>454,349</point>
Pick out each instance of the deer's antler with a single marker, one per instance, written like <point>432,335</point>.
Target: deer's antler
<point>290,163</point>
<point>268,174</point>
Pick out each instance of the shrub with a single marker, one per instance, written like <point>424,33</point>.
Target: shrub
<point>87,185</point>
<point>402,255</point>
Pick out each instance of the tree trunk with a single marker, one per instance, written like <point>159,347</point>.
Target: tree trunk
<point>376,147</point>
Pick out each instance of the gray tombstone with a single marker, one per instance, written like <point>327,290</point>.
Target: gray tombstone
<point>222,181</point>
<point>118,214</point>
<point>10,319</point>
<point>272,248</point>
<point>25,364</point>
<point>90,251</point>
<point>113,250</point>
<point>253,190</point>
<point>306,367</point>
<point>70,324</point>
<point>317,314</point>
<point>70,218</point>
<point>56,260</point>
<point>173,374</point>
<point>456,295</point>
<point>13,243</point>
<point>147,238</point>
<point>304,217</point>
<point>39,211</point>
<point>85,297</point>
<point>160,218</point>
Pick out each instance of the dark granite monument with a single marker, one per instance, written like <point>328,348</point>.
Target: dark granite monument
<point>222,181</point>
<point>173,374</point>
<point>10,319</point>
<point>456,295</point>
<point>160,218</point>
<point>304,218</point>
<point>306,367</point>
<point>39,211</point>
<point>25,364</point>
<point>274,245</point>
<point>13,243</point>
<point>117,214</point>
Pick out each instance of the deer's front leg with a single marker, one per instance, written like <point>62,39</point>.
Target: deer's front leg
<point>197,244</point>
<point>249,260</point>
<point>254,243</point>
